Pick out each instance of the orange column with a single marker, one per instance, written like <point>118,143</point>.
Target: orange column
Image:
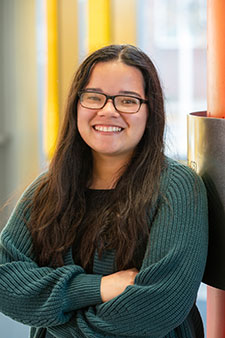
<point>216,59</point>
<point>216,108</point>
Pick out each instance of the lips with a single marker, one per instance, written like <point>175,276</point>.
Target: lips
<point>114,129</point>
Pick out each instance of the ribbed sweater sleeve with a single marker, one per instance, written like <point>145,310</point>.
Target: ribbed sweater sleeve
<point>39,296</point>
<point>166,287</point>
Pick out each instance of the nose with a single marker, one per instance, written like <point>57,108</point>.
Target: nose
<point>108,109</point>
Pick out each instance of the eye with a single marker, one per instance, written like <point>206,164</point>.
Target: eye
<point>92,97</point>
<point>128,101</point>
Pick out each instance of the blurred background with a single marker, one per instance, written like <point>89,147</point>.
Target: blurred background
<point>43,42</point>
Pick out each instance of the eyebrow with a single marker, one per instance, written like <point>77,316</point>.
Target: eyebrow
<point>126,92</point>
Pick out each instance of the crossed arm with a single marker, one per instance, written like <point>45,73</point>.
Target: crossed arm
<point>69,302</point>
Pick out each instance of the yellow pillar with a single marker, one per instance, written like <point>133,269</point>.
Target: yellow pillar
<point>124,20</point>
<point>68,48</point>
<point>52,100</point>
<point>99,28</point>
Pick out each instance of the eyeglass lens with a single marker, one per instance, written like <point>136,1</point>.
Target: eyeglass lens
<point>127,104</point>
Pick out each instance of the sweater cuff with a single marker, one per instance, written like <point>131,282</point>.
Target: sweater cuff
<point>83,291</point>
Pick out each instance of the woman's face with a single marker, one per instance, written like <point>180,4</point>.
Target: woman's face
<point>107,131</point>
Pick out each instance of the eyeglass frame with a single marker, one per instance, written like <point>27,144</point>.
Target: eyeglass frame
<point>112,97</point>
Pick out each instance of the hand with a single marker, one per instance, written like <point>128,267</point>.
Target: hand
<point>114,284</point>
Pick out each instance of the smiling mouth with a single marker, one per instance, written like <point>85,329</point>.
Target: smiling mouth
<point>111,129</point>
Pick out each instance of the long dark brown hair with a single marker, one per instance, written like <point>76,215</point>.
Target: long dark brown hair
<point>59,204</point>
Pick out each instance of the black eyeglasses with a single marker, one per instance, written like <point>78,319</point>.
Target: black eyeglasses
<point>123,103</point>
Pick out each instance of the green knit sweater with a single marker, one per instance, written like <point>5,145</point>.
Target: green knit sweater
<point>65,302</point>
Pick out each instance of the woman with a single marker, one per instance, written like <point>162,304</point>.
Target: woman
<point>112,240</point>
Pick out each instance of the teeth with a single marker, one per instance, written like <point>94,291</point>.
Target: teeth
<point>109,129</point>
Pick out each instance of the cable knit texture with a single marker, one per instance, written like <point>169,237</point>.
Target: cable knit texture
<point>65,302</point>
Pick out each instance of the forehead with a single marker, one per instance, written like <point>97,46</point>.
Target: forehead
<point>116,75</point>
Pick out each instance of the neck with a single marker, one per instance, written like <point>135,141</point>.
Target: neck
<point>106,171</point>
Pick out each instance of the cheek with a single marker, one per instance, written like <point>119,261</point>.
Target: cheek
<point>145,119</point>
<point>140,127</point>
<point>81,122</point>
<point>140,124</point>
<point>82,118</point>
<point>78,121</point>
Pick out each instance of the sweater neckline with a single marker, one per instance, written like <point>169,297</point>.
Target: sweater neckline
<point>91,190</point>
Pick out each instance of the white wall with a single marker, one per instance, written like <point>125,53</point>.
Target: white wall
<point>19,162</point>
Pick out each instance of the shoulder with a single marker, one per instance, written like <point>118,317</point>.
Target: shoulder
<point>16,227</point>
<point>25,201</point>
<point>181,179</point>
<point>36,182</point>
<point>33,186</point>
